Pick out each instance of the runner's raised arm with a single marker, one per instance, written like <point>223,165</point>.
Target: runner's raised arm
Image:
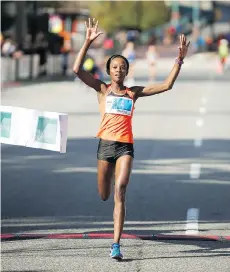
<point>87,78</point>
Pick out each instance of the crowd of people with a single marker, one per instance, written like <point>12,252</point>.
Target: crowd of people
<point>41,44</point>
<point>126,44</point>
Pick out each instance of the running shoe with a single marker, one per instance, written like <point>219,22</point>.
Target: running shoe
<point>115,252</point>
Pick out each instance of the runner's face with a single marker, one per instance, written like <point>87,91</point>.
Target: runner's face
<point>118,70</point>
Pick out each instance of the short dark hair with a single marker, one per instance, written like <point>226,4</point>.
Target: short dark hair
<point>114,57</point>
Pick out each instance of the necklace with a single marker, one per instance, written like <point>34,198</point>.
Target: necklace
<point>116,92</point>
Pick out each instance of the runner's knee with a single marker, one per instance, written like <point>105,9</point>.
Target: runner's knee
<point>120,191</point>
<point>104,195</point>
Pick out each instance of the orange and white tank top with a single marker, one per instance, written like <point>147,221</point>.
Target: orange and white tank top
<point>116,116</point>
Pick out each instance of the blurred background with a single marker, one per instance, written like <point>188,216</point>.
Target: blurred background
<point>42,38</point>
<point>182,137</point>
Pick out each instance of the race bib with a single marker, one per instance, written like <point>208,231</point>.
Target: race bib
<point>119,105</point>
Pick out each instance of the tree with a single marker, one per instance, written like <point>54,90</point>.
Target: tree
<point>64,5</point>
<point>117,14</point>
<point>154,14</point>
<point>131,14</point>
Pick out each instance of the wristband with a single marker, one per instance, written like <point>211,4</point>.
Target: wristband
<point>178,61</point>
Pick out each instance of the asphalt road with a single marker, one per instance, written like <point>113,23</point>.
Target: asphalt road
<point>182,161</point>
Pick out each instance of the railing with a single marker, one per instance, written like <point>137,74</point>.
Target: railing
<point>27,67</point>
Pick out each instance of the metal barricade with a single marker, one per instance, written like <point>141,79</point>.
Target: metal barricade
<point>27,68</point>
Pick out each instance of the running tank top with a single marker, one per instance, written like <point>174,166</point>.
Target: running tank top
<point>116,113</point>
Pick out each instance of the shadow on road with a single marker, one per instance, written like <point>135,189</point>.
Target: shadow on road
<point>43,190</point>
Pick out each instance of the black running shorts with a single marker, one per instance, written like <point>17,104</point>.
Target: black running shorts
<point>110,151</point>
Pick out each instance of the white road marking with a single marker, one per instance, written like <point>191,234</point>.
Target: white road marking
<point>195,170</point>
<point>198,142</point>
<point>202,110</point>
<point>203,100</point>
<point>199,122</point>
<point>192,221</point>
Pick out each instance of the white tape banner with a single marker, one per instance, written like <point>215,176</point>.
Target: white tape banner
<point>33,128</point>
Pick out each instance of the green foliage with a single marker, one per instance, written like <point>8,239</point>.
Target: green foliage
<point>133,14</point>
<point>102,11</point>
<point>154,14</point>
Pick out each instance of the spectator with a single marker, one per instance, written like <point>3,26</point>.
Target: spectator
<point>108,46</point>
<point>65,50</point>
<point>129,53</point>
<point>131,36</point>
<point>9,48</point>
<point>90,66</point>
<point>27,45</point>
<point>41,45</point>
<point>223,52</point>
<point>151,56</point>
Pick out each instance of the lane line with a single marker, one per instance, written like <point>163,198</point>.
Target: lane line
<point>192,226</point>
<point>203,100</point>
<point>202,110</point>
<point>198,142</point>
<point>200,122</point>
<point>193,213</point>
<point>195,170</point>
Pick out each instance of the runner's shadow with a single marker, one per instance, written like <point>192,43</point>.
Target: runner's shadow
<point>176,257</point>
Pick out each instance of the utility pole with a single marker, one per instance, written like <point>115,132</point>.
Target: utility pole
<point>196,14</point>
<point>214,19</point>
<point>20,28</point>
<point>175,12</point>
<point>34,12</point>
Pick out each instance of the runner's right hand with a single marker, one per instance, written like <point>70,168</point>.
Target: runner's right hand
<point>91,30</point>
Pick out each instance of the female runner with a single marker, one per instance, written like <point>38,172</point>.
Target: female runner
<point>116,102</point>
